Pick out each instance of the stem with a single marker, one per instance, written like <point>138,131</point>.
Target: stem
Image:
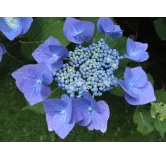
<point>30,42</point>
<point>95,37</point>
<point>15,58</point>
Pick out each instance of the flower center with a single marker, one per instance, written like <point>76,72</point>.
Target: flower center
<point>63,112</point>
<point>89,69</point>
<point>39,81</point>
<point>89,108</point>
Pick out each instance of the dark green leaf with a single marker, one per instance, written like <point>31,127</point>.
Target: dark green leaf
<point>40,30</point>
<point>160,126</point>
<point>160,26</point>
<point>160,96</point>
<point>143,120</point>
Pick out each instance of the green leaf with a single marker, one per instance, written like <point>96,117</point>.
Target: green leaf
<point>160,126</point>
<point>41,29</point>
<point>160,26</point>
<point>150,78</point>
<point>143,120</point>
<point>160,96</point>
<point>118,91</point>
<point>38,108</point>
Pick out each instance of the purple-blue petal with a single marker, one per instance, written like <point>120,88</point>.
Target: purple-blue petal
<point>61,126</point>
<point>143,56</point>
<point>78,31</point>
<point>41,72</point>
<point>99,25</point>
<point>130,45</point>
<point>53,106</point>
<point>49,122</point>
<point>25,23</point>
<point>2,51</point>
<point>21,75</point>
<point>80,108</point>
<point>139,77</point>
<point>43,53</point>
<point>146,95</point>
<point>35,92</point>
<point>127,90</point>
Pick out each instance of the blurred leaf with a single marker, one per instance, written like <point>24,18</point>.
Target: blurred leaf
<point>142,118</point>
<point>150,78</point>
<point>160,26</point>
<point>118,91</point>
<point>160,126</point>
<point>41,29</point>
<point>160,95</point>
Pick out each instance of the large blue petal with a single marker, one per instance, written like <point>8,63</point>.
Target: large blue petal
<point>59,50</point>
<point>107,24</point>
<point>78,31</point>
<point>10,27</point>
<point>25,23</point>
<point>41,72</point>
<point>127,90</point>
<point>130,45</point>
<point>49,122</point>
<point>143,56</point>
<point>139,77</point>
<point>43,53</point>
<point>80,108</point>
<point>21,75</point>
<point>2,51</point>
<point>52,106</point>
<point>35,92</point>
<point>146,95</point>
<point>99,25</point>
<point>140,47</point>
<point>61,126</point>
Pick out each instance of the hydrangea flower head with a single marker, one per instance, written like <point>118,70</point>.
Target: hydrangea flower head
<point>138,90</point>
<point>105,25</point>
<point>59,115</point>
<point>89,69</point>
<point>2,51</point>
<point>136,51</point>
<point>90,113</point>
<point>78,31</point>
<point>32,81</point>
<point>12,27</point>
<point>51,53</point>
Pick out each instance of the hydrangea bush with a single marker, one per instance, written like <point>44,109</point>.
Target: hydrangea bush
<point>84,71</point>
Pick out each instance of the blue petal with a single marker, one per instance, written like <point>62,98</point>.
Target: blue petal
<point>127,77</point>
<point>99,25</point>
<point>34,92</point>
<point>116,32</point>
<point>56,66</point>
<point>130,45</point>
<point>49,122</point>
<point>140,47</point>
<point>21,75</point>
<point>107,24</point>
<point>52,106</point>
<point>10,27</point>
<point>61,126</point>
<point>59,50</point>
<point>2,51</point>
<point>78,31</point>
<point>80,108</point>
<point>41,72</point>
<point>43,53</point>
<point>93,102</point>
<point>25,23</point>
<point>68,101</point>
<point>146,95</point>
<point>127,90</point>
<point>139,77</point>
<point>143,56</point>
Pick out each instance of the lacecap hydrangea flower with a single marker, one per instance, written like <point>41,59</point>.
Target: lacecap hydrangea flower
<point>33,81</point>
<point>12,27</point>
<point>138,90</point>
<point>84,73</point>
<point>136,51</point>
<point>2,51</point>
<point>78,31</point>
<point>106,26</point>
<point>51,52</point>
